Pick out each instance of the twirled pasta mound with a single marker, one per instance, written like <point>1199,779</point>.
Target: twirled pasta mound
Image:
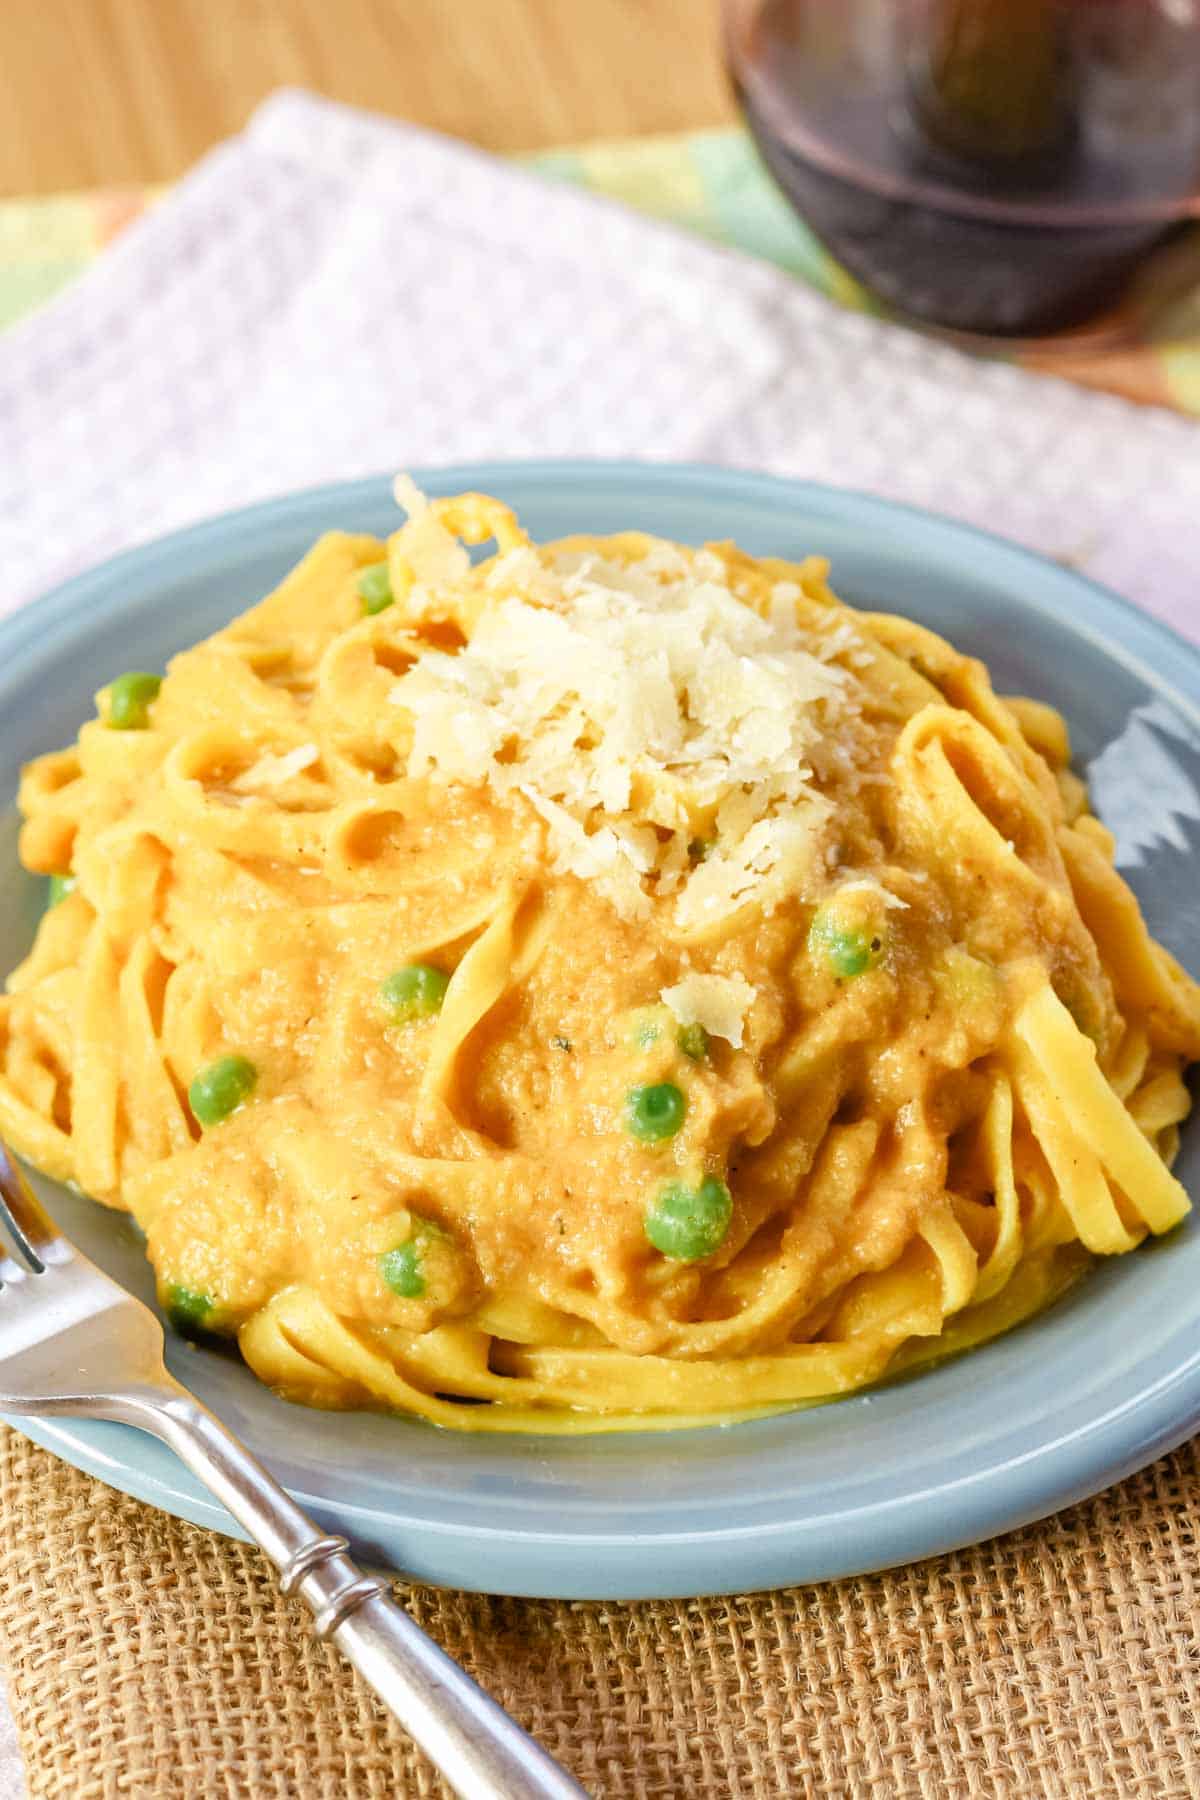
<point>605,983</point>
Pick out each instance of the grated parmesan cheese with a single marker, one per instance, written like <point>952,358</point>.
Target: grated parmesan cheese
<point>638,707</point>
<point>272,771</point>
<point>718,1002</point>
<point>867,884</point>
<point>433,553</point>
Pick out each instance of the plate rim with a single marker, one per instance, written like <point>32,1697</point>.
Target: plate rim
<point>1100,1450</point>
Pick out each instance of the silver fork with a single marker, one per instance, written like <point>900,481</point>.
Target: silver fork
<point>72,1341</point>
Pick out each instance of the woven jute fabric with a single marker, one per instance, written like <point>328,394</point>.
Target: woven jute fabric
<point>145,1657</point>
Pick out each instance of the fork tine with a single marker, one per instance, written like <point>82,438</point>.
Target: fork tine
<point>32,1228</point>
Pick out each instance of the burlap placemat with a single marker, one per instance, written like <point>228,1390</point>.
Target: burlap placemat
<point>146,1657</point>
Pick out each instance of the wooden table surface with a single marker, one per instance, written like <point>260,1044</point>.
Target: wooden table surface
<point>99,92</point>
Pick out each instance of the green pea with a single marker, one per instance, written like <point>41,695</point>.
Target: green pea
<point>849,950</point>
<point>401,1270</point>
<point>655,1113</point>
<point>405,1268</point>
<point>693,1041</point>
<point>375,586</point>
<point>414,992</point>
<point>129,698</point>
<point>221,1088</point>
<point>60,886</point>
<point>689,1223</point>
<point>188,1311</point>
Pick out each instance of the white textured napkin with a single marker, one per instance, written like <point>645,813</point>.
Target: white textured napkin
<point>331,294</point>
<point>12,1774</point>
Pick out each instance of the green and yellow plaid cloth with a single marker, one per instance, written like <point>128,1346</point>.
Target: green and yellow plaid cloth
<point>712,182</point>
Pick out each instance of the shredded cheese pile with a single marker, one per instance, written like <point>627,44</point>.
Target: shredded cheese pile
<point>718,1002</point>
<point>662,729</point>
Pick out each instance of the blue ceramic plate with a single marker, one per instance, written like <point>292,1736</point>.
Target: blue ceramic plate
<point>1093,1389</point>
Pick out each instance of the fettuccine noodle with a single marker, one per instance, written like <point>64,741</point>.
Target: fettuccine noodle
<point>604,984</point>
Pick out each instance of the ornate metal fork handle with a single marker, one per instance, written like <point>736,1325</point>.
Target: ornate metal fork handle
<point>72,1341</point>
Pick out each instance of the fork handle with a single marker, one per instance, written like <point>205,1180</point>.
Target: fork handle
<point>483,1753</point>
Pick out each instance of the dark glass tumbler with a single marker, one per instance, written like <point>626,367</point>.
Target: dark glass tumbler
<point>997,166</point>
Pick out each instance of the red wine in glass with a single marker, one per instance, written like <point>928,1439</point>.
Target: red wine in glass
<point>997,166</point>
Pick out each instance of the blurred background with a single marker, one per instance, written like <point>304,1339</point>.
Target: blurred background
<point>1001,168</point>
<point>97,92</point>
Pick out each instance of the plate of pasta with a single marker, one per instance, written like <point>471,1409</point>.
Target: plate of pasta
<point>634,1020</point>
